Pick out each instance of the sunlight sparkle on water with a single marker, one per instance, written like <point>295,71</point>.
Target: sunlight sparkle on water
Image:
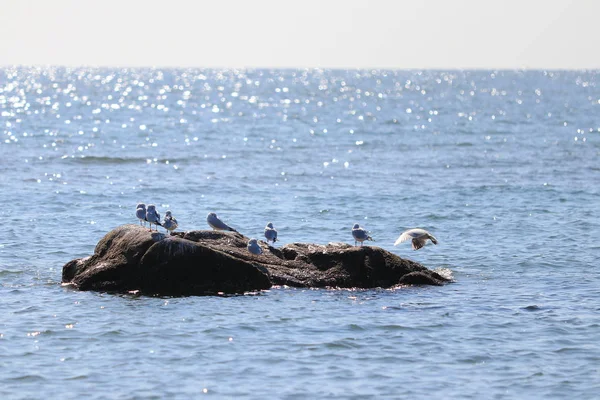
<point>516,161</point>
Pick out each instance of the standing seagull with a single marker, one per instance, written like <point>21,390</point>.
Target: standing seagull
<point>270,233</point>
<point>217,224</point>
<point>254,247</point>
<point>152,216</point>
<point>360,234</point>
<point>140,213</point>
<point>169,223</point>
<point>418,236</point>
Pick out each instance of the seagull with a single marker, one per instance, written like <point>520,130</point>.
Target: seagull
<point>217,224</point>
<point>270,233</point>
<point>152,216</point>
<point>418,236</point>
<point>169,223</point>
<point>360,234</point>
<point>254,247</point>
<point>140,213</point>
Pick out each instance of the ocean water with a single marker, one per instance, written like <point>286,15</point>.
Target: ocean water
<point>503,167</point>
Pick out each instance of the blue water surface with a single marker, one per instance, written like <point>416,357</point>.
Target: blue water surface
<point>503,167</point>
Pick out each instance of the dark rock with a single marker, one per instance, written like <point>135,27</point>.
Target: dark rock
<point>422,278</point>
<point>208,262</point>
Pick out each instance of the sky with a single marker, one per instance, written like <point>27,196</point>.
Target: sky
<point>417,34</point>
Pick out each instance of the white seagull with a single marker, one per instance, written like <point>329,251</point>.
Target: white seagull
<point>140,213</point>
<point>217,224</point>
<point>254,247</point>
<point>169,223</point>
<point>152,216</point>
<point>360,234</point>
<point>418,236</point>
<point>270,233</point>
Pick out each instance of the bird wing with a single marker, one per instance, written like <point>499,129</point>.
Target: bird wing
<point>217,223</point>
<point>417,232</point>
<point>254,248</point>
<point>417,243</point>
<point>359,234</point>
<point>153,217</point>
<point>433,240</point>
<point>411,234</point>
<point>403,238</point>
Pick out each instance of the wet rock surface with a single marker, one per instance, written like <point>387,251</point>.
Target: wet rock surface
<point>131,258</point>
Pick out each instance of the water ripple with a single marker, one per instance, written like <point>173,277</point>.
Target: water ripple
<point>486,160</point>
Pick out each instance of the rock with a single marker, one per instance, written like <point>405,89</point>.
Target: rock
<point>131,258</point>
<point>423,278</point>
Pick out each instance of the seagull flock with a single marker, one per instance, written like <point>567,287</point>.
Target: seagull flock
<point>150,215</point>
<point>417,236</point>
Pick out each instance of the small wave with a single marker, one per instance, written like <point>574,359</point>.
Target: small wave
<point>416,307</point>
<point>445,272</point>
<point>113,160</point>
<point>27,310</point>
<point>8,272</point>
<point>29,378</point>
<point>356,327</point>
<point>69,285</point>
<point>507,121</point>
<point>394,327</point>
<point>77,378</point>
<point>342,344</point>
<point>475,360</point>
<point>532,308</point>
<point>570,350</point>
<point>114,332</point>
<point>439,217</point>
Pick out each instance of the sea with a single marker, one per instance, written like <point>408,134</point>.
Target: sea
<point>502,167</point>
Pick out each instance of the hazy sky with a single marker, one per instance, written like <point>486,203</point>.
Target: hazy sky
<point>304,33</point>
